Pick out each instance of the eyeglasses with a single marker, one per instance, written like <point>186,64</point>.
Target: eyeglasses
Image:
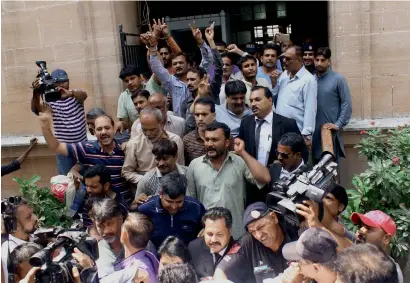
<point>284,155</point>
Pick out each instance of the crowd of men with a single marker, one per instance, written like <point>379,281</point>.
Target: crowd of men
<point>175,190</point>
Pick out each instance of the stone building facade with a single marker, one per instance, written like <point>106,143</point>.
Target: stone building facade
<point>370,42</point>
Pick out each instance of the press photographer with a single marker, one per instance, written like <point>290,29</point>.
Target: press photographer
<point>67,109</point>
<point>20,222</point>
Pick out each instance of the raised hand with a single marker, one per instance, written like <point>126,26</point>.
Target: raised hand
<point>164,28</point>
<point>209,33</point>
<point>232,48</point>
<point>204,86</point>
<point>239,146</point>
<point>196,32</point>
<point>156,28</point>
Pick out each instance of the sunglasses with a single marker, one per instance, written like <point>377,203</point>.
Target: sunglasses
<point>284,155</point>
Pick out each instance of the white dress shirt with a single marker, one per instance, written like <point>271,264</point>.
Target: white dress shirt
<point>285,173</point>
<point>265,139</point>
<point>221,253</point>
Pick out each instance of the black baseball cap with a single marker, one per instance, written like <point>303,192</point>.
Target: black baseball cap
<point>60,75</point>
<point>315,245</point>
<point>253,212</point>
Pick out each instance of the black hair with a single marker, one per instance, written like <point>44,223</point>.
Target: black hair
<point>271,46</point>
<point>173,185</point>
<point>146,74</point>
<point>200,71</point>
<point>129,70</point>
<point>165,46</point>
<point>294,140</point>
<point>139,228</point>
<point>228,55</point>
<point>298,51</point>
<point>174,246</point>
<point>104,209</point>
<point>234,87</point>
<point>186,56</point>
<point>324,51</point>
<point>94,113</point>
<point>216,213</point>
<point>106,115</point>
<point>206,101</point>
<point>165,147</point>
<point>340,194</point>
<point>142,92</point>
<point>24,252</point>
<point>217,125</point>
<point>244,59</point>
<point>266,91</point>
<point>365,263</point>
<point>221,43</point>
<point>98,170</point>
<point>178,272</point>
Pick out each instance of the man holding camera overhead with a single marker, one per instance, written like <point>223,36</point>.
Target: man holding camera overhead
<point>68,115</point>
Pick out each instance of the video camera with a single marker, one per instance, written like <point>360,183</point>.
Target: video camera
<point>48,88</point>
<point>8,210</point>
<point>58,268</point>
<point>302,185</point>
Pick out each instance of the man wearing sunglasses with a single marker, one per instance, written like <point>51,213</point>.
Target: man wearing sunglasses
<point>289,154</point>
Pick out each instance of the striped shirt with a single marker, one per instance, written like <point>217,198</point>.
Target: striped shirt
<point>89,153</point>
<point>150,184</point>
<point>69,120</point>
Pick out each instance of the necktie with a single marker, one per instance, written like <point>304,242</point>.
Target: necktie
<point>217,257</point>
<point>258,134</point>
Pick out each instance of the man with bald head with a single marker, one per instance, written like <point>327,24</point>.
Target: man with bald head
<point>170,122</point>
<point>139,158</point>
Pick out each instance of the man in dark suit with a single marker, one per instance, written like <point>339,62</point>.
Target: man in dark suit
<point>207,251</point>
<point>261,133</point>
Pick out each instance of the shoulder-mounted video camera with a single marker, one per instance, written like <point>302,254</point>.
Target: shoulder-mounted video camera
<point>56,259</point>
<point>300,186</point>
<point>8,210</point>
<point>47,89</point>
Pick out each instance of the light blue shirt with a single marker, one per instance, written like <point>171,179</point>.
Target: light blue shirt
<point>297,99</point>
<point>232,120</point>
<point>178,89</point>
<point>263,75</point>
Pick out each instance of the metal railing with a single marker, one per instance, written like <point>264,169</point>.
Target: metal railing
<point>132,53</point>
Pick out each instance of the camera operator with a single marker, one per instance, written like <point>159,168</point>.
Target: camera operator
<point>289,152</point>
<point>26,224</point>
<point>257,255</point>
<point>20,259</point>
<point>68,116</point>
<point>138,262</point>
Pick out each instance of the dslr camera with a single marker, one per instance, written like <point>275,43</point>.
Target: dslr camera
<point>48,89</point>
<point>58,268</point>
<point>300,186</point>
<point>8,210</point>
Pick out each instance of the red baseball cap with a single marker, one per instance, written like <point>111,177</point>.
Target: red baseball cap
<point>375,219</point>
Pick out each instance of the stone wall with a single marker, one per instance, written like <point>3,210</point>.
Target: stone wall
<point>370,42</point>
<point>80,37</point>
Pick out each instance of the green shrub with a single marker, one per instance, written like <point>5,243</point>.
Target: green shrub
<point>385,185</point>
<point>48,209</point>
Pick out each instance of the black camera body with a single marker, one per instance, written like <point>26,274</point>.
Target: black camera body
<point>8,210</point>
<point>59,268</point>
<point>48,88</point>
<point>300,186</point>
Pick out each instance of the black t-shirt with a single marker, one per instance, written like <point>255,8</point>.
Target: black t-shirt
<point>250,261</point>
